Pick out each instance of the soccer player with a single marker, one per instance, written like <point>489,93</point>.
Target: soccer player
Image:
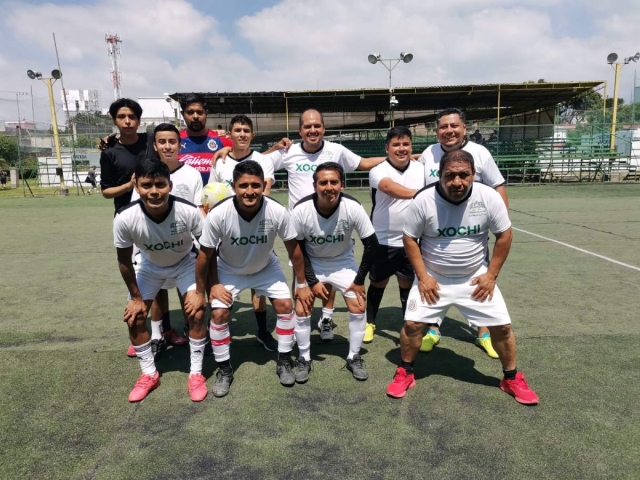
<point>241,132</point>
<point>446,237</point>
<point>393,184</point>
<point>161,226</point>
<point>236,253</point>
<point>325,222</point>
<point>451,131</point>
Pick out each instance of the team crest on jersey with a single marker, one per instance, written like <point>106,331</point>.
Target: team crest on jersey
<point>412,305</point>
<point>477,208</point>
<point>213,145</point>
<point>342,226</point>
<point>266,226</point>
<point>326,155</point>
<point>178,227</point>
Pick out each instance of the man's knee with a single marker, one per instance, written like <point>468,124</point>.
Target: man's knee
<point>282,305</point>
<point>500,331</point>
<point>413,328</point>
<point>220,315</point>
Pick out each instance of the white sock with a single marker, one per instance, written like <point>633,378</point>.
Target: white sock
<point>220,340</point>
<point>303,336</point>
<point>196,346</point>
<point>285,328</point>
<point>357,326</point>
<point>156,329</point>
<point>145,357</point>
<point>327,312</point>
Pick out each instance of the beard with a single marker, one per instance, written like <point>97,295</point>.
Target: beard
<point>196,126</point>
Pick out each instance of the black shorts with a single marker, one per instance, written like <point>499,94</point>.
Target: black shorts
<point>3,180</point>
<point>390,261</point>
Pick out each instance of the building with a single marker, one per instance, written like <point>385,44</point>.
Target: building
<point>81,101</point>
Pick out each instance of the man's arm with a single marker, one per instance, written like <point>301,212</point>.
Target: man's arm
<point>207,276</point>
<point>114,192</point>
<point>486,282</point>
<point>267,188</point>
<point>427,285</point>
<point>502,190</point>
<point>395,190</point>
<point>284,143</point>
<point>136,308</point>
<point>302,290</point>
<point>368,163</point>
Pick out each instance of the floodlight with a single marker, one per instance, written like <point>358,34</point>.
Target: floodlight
<point>406,57</point>
<point>612,57</point>
<point>31,74</point>
<point>56,74</point>
<point>373,58</point>
<point>167,98</point>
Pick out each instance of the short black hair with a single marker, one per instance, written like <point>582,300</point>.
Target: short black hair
<point>458,155</point>
<point>190,98</point>
<point>311,110</point>
<point>166,127</point>
<point>451,111</point>
<point>329,166</point>
<point>242,120</point>
<point>152,168</point>
<point>248,167</point>
<point>398,132</point>
<point>122,103</point>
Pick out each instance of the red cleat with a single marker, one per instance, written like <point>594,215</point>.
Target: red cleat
<point>197,387</point>
<point>401,383</point>
<point>144,385</point>
<point>519,389</point>
<point>174,338</point>
<point>131,352</point>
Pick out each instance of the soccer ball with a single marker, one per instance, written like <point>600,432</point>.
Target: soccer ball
<point>213,193</point>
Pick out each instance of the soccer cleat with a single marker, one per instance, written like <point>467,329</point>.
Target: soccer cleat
<point>172,337</point>
<point>356,366</point>
<point>368,333</point>
<point>131,351</point>
<point>144,385</point>
<point>484,343</point>
<point>401,383</point>
<point>158,346</point>
<point>197,387</point>
<point>303,367</point>
<point>519,389</point>
<point>430,340</point>
<point>269,343</point>
<point>222,383</point>
<point>285,372</point>
<point>325,325</point>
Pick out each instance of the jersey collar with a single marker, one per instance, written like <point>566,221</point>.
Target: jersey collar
<point>315,205</point>
<point>178,167</point>
<point>169,210</point>
<point>242,215</point>
<point>401,170</point>
<point>243,158</point>
<point>439,190</point>
<point>312,153</point>
<point>464,144</point>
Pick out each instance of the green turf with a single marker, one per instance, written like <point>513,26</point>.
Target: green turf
<point>64,383</point>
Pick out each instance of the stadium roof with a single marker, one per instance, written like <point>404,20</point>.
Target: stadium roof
<point>478,101</point>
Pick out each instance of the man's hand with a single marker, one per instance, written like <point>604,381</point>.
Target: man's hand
<point>320,291</point>
<point>193,304</point>
<point>359,291</point>
<point>428,289</point>
<point>104,141</point>
<point>305,297</point>
<point>485,285</point>
<point>222,153</point>
<point>136,308</point>
<point>284,143</point>
<point>220,293</point>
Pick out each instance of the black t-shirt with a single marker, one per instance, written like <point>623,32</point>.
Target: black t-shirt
<point>118,163</point>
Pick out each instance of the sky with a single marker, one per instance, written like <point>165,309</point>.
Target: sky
<point>273,45</point>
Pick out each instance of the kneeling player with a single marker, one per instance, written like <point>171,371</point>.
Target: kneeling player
<point>161,226</point>
<point>236,253</point>
<point>446,234</point>
<point>325,222</point>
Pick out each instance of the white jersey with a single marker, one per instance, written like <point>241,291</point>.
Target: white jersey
<point>329,238</point>
<point>300,166</point>
<point>387,212</point>
<point>454,237</point>
<point>163,243</point>
<point>223,172</point>
<point>486,169</point>
<point>187,184</point>
<point>245,246</point>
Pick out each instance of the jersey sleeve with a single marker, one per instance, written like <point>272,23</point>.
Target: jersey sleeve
<point>498,214</point>
<point>414,219</point>
<point>121,235</point>
<point>422,159</point>
<point>197,223</point>
<point>107,172</point>
<point>362,223</point>
<point>197,193</point>
<point>211,235</point>
<point>286,230</point>
<point>375,177</point>
<point>277,160</point>
<point>226,141</point>
<point>267,165</point>
<point>348,159</point>
<point>491,175</point>
<point>297,224</point>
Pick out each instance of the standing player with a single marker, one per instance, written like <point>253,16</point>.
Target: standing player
<point>446,237</point>
<point>241,132</point>
<point>393,184</point>
<point>161,226</point>
<point>451,131</point>
<point>236,253</point>
<point>325,222</point>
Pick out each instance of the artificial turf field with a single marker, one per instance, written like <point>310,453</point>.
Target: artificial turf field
<point>65,377</point>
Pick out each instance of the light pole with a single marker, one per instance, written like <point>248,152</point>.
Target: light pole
<point>49,81</point>
<point>389,64</point>
<point>617,66</point>
<point>174,106</point>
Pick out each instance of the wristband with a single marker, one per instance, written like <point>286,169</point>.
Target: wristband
<point>302,285</point>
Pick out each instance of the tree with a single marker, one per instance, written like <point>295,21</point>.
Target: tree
<point>9,149</point>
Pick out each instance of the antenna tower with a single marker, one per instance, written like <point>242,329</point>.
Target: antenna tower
<point>113,47</point>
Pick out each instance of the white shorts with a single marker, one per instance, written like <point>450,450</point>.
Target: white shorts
<point>456,292</point>
<point>137,264</point>
<point>152,278</point>
<point>269,282</point>
<point>339,276</point>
